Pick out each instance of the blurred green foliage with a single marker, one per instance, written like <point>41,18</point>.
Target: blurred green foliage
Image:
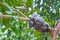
<point>13,29</point>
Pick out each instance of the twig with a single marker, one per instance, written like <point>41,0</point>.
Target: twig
<point>18,12</point>
<point>10,16</point>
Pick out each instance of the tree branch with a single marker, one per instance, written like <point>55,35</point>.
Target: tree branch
<point>10,16</point>
<point>56,30</point>
<point>18,12</point>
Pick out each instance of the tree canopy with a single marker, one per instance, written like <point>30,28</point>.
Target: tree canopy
<point>14,15</point>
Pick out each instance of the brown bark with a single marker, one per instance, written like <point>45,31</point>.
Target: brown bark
<point>56,30</point>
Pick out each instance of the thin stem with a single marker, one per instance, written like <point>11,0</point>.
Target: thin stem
<point>10,16</point>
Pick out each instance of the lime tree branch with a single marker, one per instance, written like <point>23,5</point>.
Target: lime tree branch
<point>17,11</point>
<point>10,16</point>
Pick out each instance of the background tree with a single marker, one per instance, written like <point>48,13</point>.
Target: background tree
<point>14,15</point>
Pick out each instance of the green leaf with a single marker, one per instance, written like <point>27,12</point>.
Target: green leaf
<point>29,3</point>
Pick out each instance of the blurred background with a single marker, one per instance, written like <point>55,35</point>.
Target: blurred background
<point>14,29</point>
